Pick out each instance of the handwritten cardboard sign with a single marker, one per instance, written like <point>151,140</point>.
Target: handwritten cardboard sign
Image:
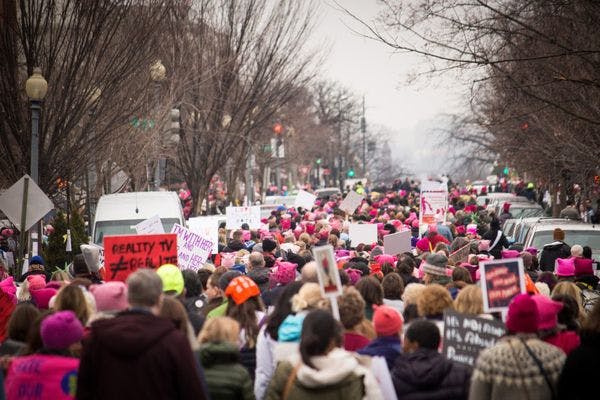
<point>433,202</point>
<point>351,202</point>
<point>466,335</point>
<point>460,255</point>
<point>192,249</point>
<point>397,243</point>
<point>362,233</point>
<point>305,200</point>
<point>125,254</point>
<point>208,227</point>
<point>329,277</point>
<point>237,216</point>
<point>150,226</point>
<point>501,280</point>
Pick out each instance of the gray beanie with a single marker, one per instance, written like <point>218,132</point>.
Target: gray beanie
<point>435,264</point>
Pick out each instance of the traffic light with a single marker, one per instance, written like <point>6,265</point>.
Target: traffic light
<point>318,161</point>
<point>505,171</point>
<point>350,173</point>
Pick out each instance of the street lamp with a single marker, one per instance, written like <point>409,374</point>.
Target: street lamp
<point>158,74</point>
<point>36,88</point>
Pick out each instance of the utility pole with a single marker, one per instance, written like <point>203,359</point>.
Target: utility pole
<point>363,129</point>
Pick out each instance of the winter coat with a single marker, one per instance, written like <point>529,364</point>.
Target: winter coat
<point>265,362</point>
<point>225,377</point>
<point>260,276</point>
<point>387,347</point>
<point>354,341</point>
<point>508,371</point>
<point>398,305</point>
<point>426,374</point>
<point>137,355</point>
<point>496,251</point>
<point>42,376</point>
<point>338,375</point>
<point>578,377</point>
<point>551,252</point>
<point>11,347</point>
<point>270,296</point>
<point>567,341</point>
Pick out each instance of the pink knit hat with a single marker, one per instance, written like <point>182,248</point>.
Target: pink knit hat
<point>110,296</point>
<point>227,260</point>
<point>60,330</point>
<point>385,258</point>
<point>548,311</point>
<point>583,266</point>
<point>484,245</point>
<point>510,254</point>
<point>523,315</point>
<point>36,282</point>
<point>41,297</point>
<point>472,229</point>
<point>8,287</point>
<point>283,273</point>
<point>565,267</point>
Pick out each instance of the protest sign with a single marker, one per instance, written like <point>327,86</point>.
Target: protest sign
<point>305,200</point>
<point>237,216</point>
<point>466,335</point>
<point>43,376</point>
<point>351,202</point>
<point>208,227</point>
<point>150,226</point>
<point>125,254</point>
<point>461,255</point>
<point>362,233</point>
<point>192,248</point>
<point>38,204</point>
<point>397,243</point>
<point>501,280</point>
<point>329,277</point>
<point>434,202</point>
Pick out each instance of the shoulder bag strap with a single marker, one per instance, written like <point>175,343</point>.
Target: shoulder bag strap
<point>541,367</point>
<point>498,236</point>
<point>290,382</point>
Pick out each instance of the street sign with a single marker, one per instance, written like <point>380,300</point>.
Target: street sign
<point>38,204</point>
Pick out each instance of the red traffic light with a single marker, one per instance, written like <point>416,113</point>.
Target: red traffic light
<point>278,129</point>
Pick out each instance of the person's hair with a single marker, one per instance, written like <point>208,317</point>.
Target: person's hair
<point>433,300</point>
<point>458,243</point>
<point>220,329</point>
<point>569,313</point>
<point>34,336</point>
<point>216,276</point>
<point>566,287</point>
<point>410,313</point>
<point>576,250</point>
<point>412,291</point>
<point>425,333</point>
<point>442,247</point>
<point>21,320</point>
<point>283,308</point>
<point>60,276</point>
<point>587,252</point>
<point>370,289</point>
<point>469,300</point>
<point>393,286</point>
<point>237,235</point>
<point>173,310</point>
<point>191,281</point>
<point>387,268</point>
<point>548,278</point>
<point>461,274</point>
<point>309,272</point>
<point>203,275</point>
<point>352,308</point>
<point>71,297</point>
<point>591,326</point>
<point>245,315</point>
<point>495,224</point>
<point>319,331</point>
<point>144,288</point>
<point>256,260</point>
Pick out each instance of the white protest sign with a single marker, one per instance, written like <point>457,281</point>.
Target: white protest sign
<point>362,233</point>
<point>150,226</point>
<point>381,372</point>
<point>192,249</point>
<point>237,216</point>
<point>305,200</point>
<point>351,202</point>
<point>397,243</point>
<point>38,204</point>
<point>207,227</point>
<point>434,202</point>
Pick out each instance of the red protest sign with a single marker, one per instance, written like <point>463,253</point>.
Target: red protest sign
<point>124,254</point>
<point>501,280</point>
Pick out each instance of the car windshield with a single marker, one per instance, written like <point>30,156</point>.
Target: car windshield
<point>125,227</point>
<point>583,238</point>
<point>526,212</point>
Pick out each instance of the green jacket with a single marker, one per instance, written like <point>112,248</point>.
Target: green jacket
<point>225,377</point>
<point>219,311</point>
<point>350,388</point>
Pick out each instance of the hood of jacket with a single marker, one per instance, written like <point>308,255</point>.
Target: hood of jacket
<point>131,333</point>
<point>332,369</point>
<point>555,246</point>
<point>291,328</point>
<point>218,353</point>
<point>423,368</point>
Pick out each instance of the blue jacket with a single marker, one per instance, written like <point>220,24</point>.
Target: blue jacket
<point>384,346</point>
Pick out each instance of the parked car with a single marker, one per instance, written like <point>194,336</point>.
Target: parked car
<point>576,232</point>
<point>526,210</point>
<point>326,193</point>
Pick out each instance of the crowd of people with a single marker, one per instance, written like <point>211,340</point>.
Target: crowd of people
<point>253,322</point>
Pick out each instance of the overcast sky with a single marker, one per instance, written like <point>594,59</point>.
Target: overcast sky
<point>372,69</point>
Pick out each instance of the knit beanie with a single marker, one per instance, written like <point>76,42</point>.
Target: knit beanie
<point>172,278</point>
<point>548,311</point>
<point>60,330</point>
<point>435,264</point>
<point>583,266</point>
<point>387,321</point>
<point>41,297</point>
<point>8,287</point>
<point>241,289</point>
<point>35,282</point>
<point>283,273</point>
<point>523,315</point>
<point>110,296</point>
<point>565,267</point>
<point>509,254</point>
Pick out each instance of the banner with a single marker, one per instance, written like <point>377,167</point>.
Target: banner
<point>501,280</point>
<point>125,254</point>
<point>466,335</point>
<point>362,233</point>
<point>433,202</point>
<point>397,243</point>
<point>305,200</point>
<point>237,216</point>
<point>192,249</point>
<point>461,255</point>
<point>150,226</point>
<point>208,227</point>
<point>351,202</point>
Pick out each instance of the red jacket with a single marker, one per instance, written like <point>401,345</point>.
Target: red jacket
<point>567,341</point>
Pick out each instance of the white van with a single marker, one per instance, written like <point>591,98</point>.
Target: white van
<point>118,214</point>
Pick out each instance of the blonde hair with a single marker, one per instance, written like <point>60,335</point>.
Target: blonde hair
<point>240,256</point>
<point>433,300</point>
<point>412,292</point>
<point>567,287</point>
<point>308,297</point>
<point>61,276</point>
<point>220,329</point>
<point>469,300</point>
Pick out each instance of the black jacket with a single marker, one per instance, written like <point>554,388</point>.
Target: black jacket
<point>496,251</point>
<point>551,252</point>
<point>426,374</point>
<point>578,379</point>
